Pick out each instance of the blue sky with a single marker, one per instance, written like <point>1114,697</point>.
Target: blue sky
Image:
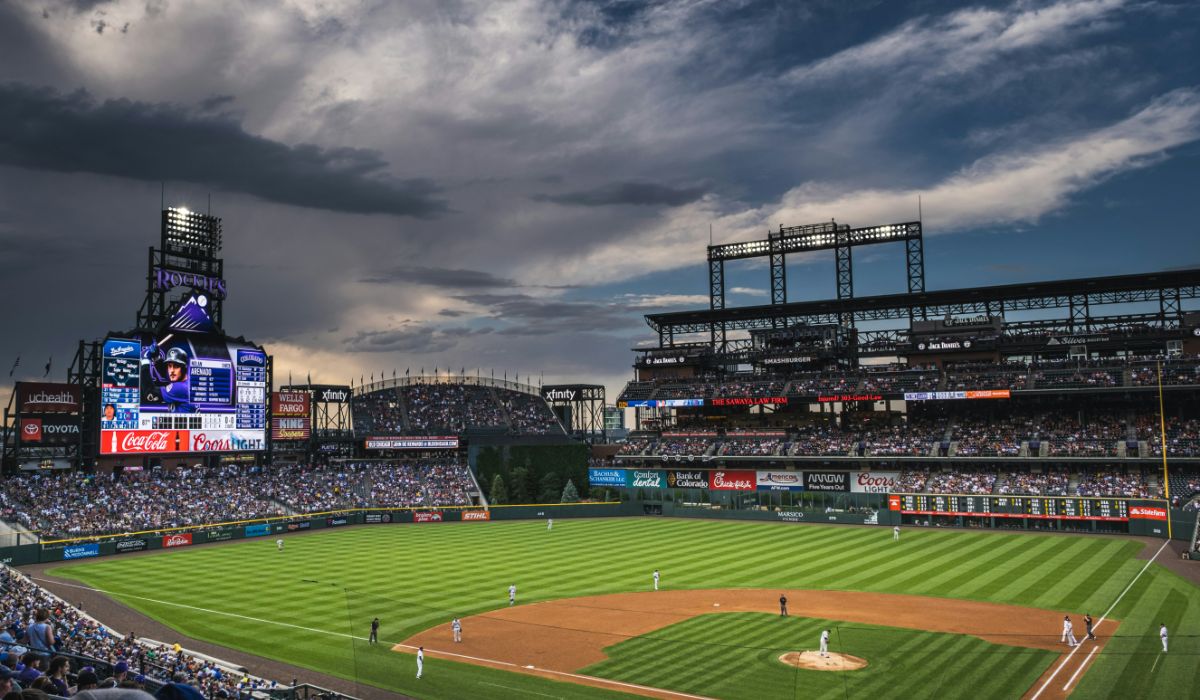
<point>511,185</point>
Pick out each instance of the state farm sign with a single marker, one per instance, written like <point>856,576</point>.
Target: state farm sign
<point>874,482</point>
<point>182,540</point>
<point>1147,513</point>
<point>733,481</point>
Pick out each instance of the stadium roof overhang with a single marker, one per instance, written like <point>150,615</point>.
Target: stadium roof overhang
<point>1075,293</point>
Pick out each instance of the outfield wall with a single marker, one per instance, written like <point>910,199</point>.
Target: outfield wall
<point>109,545</point>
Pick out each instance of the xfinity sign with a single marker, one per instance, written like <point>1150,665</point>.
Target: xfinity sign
<point>334,395</point>
<point>560,394</point>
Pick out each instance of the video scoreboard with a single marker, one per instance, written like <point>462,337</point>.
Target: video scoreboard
<point>1044,507</point>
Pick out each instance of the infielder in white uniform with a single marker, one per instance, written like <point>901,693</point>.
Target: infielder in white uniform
<point>279,544</point>
<point>1068,634</point>
<point>550,524</point>
<point>896,533</point>
<point>656,579</point>
<point>1162,632</point>
<point>824,642</point>
<point>457,627</point>
<point>420,661</point>
<point>512,594</point>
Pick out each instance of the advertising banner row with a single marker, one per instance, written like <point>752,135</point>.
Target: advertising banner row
<point>851,397</point>
<point>747,480</point>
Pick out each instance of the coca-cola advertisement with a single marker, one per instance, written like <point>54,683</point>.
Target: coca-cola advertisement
<point>145,441</point>
<point>177,540</point>
<point>733,480</point>
<point>874,482</point>
<point>432,516</point>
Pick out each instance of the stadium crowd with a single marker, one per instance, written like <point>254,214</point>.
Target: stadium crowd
<point>39,627</point>
<point>78,505</point>
<point>450,409</point>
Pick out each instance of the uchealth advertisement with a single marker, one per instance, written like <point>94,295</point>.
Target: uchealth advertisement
<point>476,515</point>
<point>733,480</point>
<point>873,482</point>
<point>779,481</point>
<point>645,479</point>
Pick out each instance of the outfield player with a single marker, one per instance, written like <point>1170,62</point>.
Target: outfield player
<point>456,627</point>
<point>420,661</point>
<point>1162,632</point>
<point>512,594</point>
<point>279,544</point>
<point>1068,634</point>
<point>896,533</point>
<point>550,523</point>
<point>656,579</point>
<point>825,643</point>
<point>374,638</point>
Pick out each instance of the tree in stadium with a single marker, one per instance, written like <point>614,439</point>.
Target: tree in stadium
<point>499,494</point>
<point>550,488</point>
<point>570,494</point>
<point>519,490</point>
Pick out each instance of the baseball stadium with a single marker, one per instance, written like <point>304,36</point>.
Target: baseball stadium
<point>988,492</point>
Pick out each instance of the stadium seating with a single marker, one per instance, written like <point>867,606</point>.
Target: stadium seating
<point>74,505</point>
<point>450,408</point>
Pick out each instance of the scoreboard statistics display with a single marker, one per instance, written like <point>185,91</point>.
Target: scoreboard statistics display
<point>181,391</point>
<point>1040,507</point>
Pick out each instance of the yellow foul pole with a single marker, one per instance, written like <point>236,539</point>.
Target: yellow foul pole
<point>1162,427</point>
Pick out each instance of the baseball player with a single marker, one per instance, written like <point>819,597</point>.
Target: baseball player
<point>1068,634</point>
<point>1162,632</point>
<point>656,579</point>
<point>896,533</point>
<point>549,523</point>
<point>1087,620</point>
<point>420,661</point>
<point>279,544</point>
<point>512,594</point>
<point>782,605</point>
<point>374,638</point>
<point>825,643</point>
<point>456,627</point>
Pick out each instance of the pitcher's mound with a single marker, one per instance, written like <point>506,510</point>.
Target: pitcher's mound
<point>813,661</point>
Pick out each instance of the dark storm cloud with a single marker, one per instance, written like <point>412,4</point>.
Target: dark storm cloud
<point>530,315</point>
<point>439,277</point>
<point>411,338</point>
<point>46,130</point>
<point>627,193</point>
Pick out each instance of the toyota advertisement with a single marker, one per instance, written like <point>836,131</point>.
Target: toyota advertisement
<point>49,430</point>
<point>188,389</point>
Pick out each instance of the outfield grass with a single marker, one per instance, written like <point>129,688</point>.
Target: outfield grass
<point>736,656</point>
<point>415,576</point>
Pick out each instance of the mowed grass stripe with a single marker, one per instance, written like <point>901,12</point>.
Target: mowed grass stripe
<point>414,576</point>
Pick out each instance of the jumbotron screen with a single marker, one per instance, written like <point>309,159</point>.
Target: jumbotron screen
<point>181,391</point>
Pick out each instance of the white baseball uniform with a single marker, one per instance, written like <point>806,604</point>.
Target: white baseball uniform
<point>896,533</point>
<point>656,579</point>
<point>279,544</point>
<point>1068,634</point>
<point>457,627</point>
<point>1162,632</point>
<point>420,662</point>
<point>824,642</point>
<point>550,524</point>
<point>512,594</point>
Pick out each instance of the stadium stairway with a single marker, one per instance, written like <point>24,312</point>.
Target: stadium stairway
<point>13,533</point>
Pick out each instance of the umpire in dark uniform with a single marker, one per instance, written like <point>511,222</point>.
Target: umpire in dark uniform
<point>374,639</point>
<point>1087,620</point>
<point>782,605</point>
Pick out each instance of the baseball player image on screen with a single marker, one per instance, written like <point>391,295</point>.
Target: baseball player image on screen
<point>169,373</point>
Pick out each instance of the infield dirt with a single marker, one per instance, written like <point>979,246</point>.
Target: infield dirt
<point>562,636</point>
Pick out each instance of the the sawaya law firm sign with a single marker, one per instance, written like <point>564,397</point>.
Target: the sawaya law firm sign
<point>606,477</point>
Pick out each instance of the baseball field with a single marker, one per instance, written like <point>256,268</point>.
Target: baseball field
<point>942,613</point>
